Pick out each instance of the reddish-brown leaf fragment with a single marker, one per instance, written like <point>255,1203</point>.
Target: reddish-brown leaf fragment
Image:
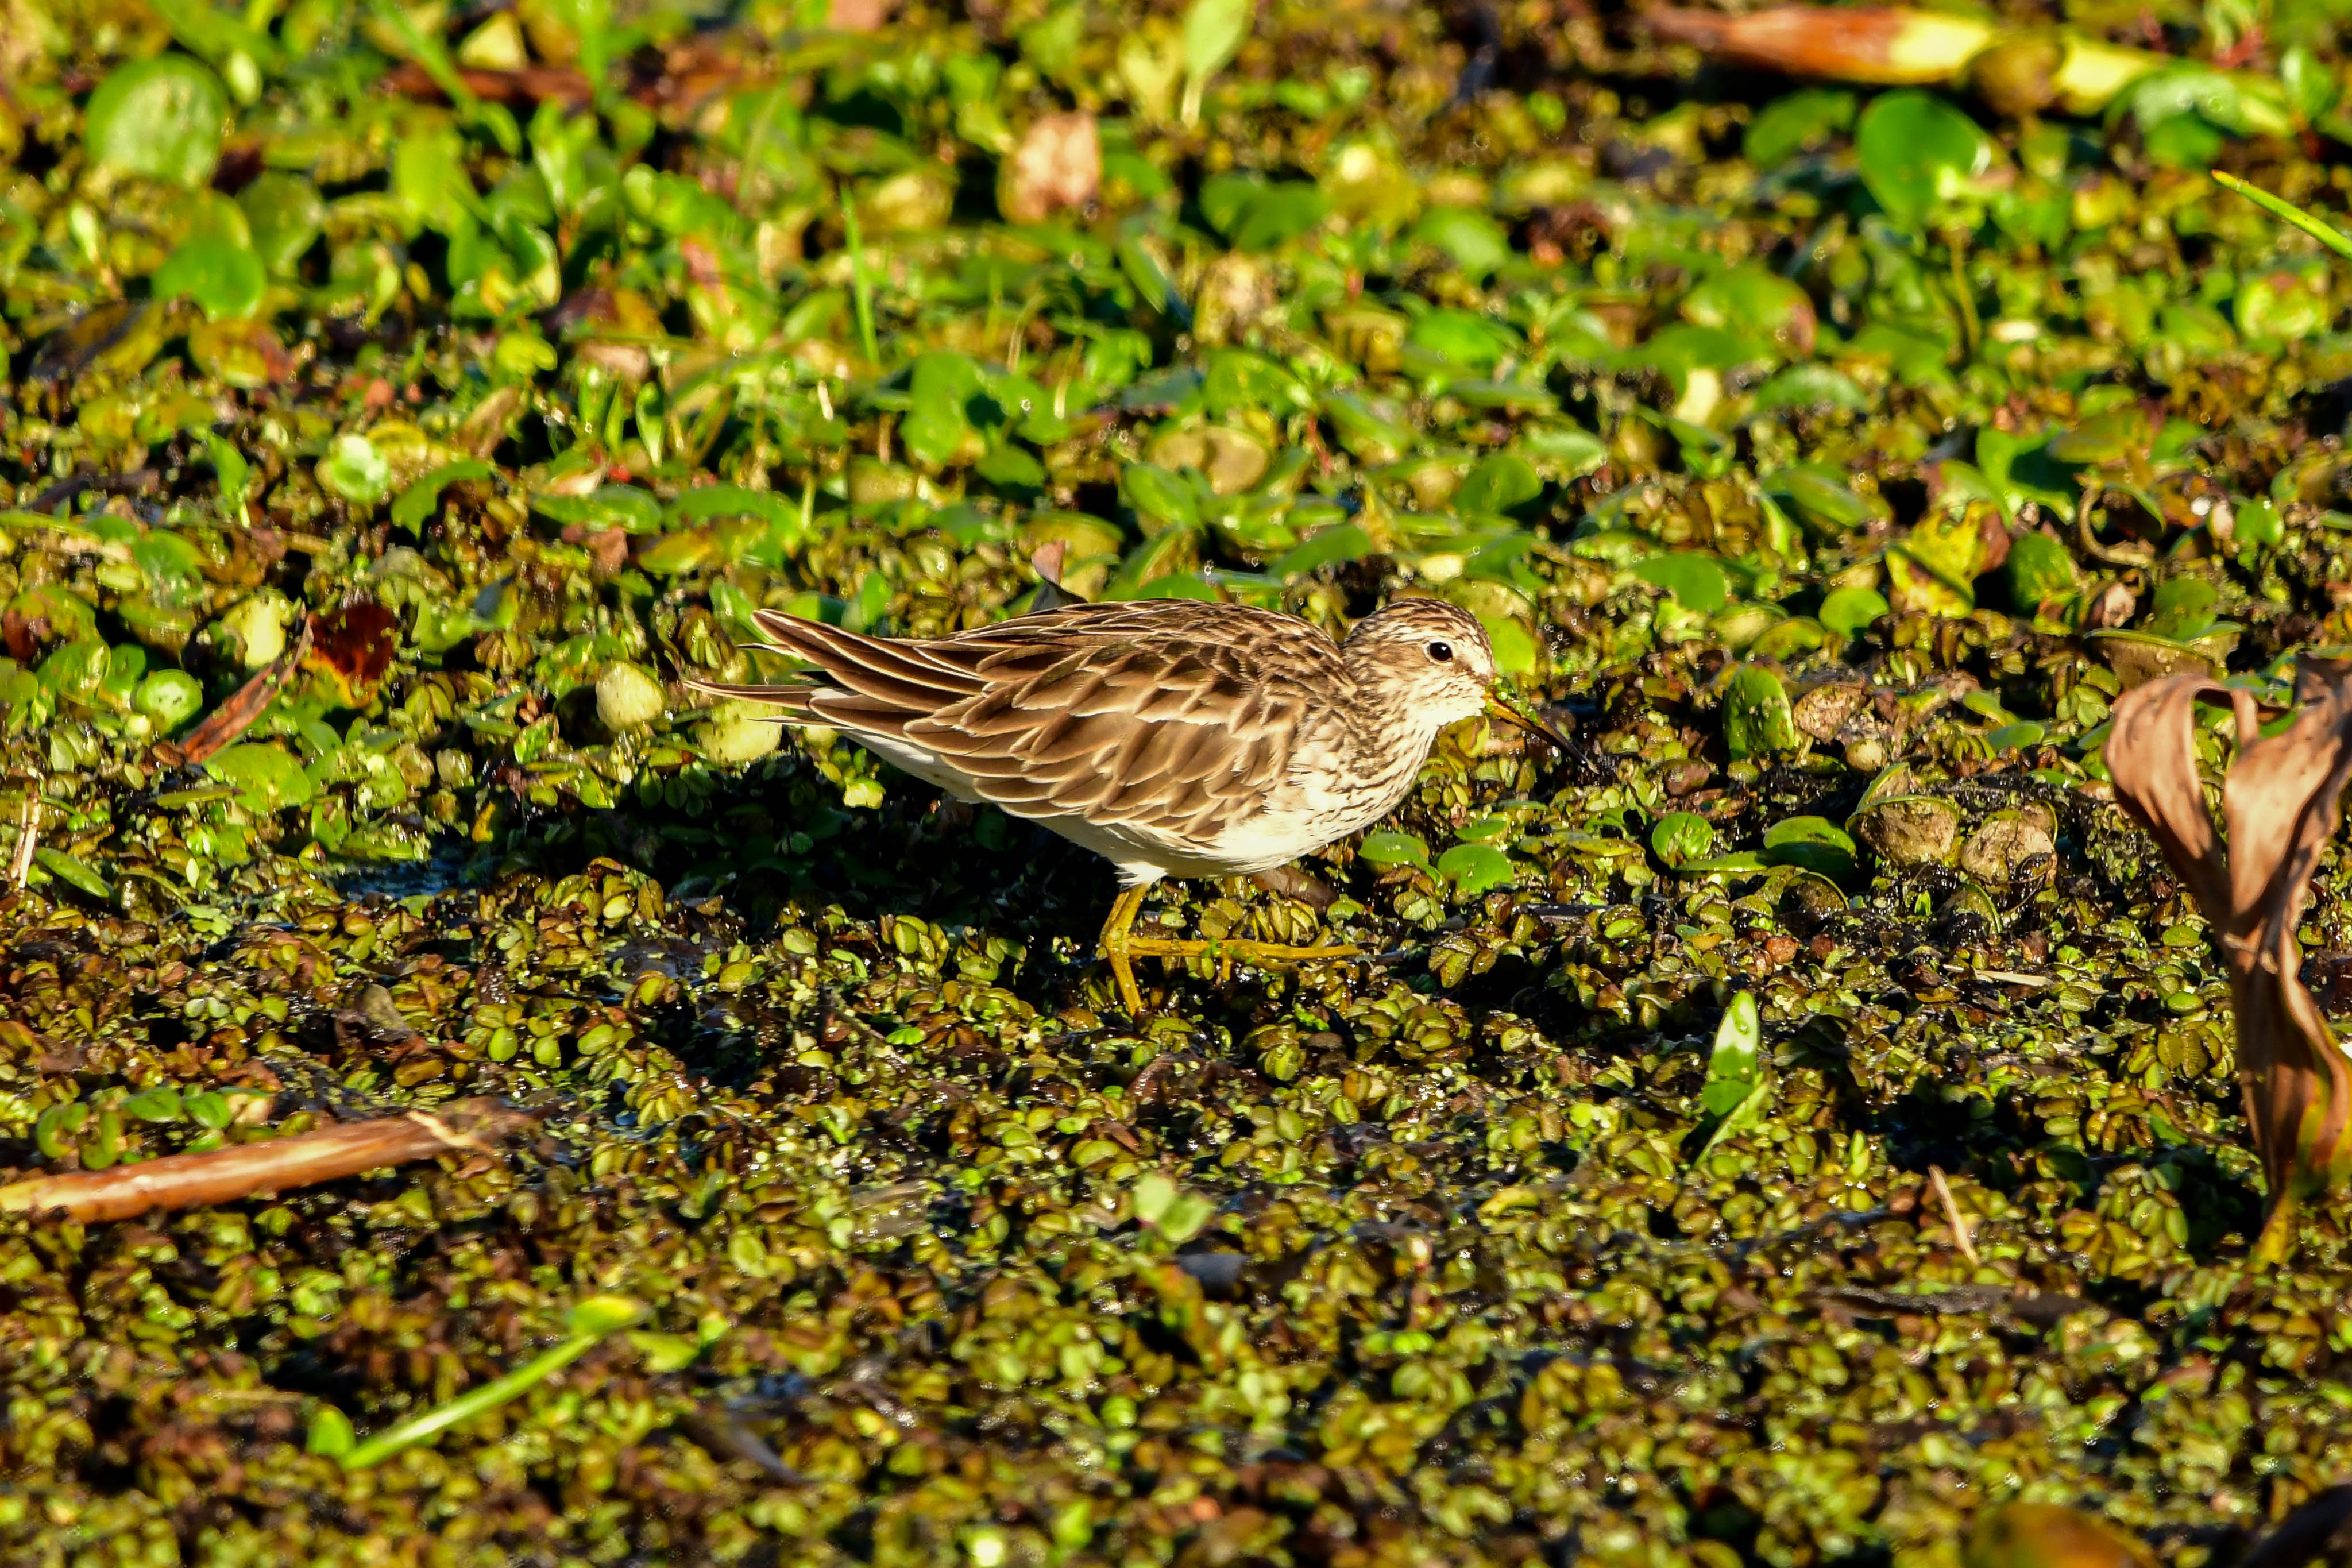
<point>353,648</point>
<point>1842,44</point>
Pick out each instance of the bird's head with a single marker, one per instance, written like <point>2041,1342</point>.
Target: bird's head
<point>1434,659</point>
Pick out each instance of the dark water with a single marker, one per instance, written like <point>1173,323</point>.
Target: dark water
<point>439,872</point>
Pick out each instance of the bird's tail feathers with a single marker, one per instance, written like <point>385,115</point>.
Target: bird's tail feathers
<point>792,700</point>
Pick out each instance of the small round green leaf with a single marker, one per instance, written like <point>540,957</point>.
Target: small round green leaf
<point>1849,611</point>
<point>2039,569</point>
<point>1282,213</point>
<point>170,697</point>
<point>1476,868</point>
<point>937,420</point>
<point>78,670</point>
<point>1695,581</point>
<point>1391,848</point>
<point>1796,124</point>
<point>1473,340</point>
<point>161,1103</point>
<point>1682,837</point>
<point>1757,717</point>
<point>1215,31</point>
<point>2017,737</point>
<point>1475,241</point>
<point>265,776</point>
<point>1340,542</point>
<point>286,215</point>
<point>1503,482</point>
<point>224,279</point>
<point>353,469</point>
<point>1814,843</point>
<point>1512,644</point>
<point>331,1435</point>
<point>1808,830</point>
<point>1916,151</point>
<point>1158,497</point>
<point>162,118</point>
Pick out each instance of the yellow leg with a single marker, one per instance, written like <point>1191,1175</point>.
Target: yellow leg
<point>1121,947</point>
<point>1117,941</point>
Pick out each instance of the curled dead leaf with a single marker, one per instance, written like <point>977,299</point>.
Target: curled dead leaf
<point>2280,803</point>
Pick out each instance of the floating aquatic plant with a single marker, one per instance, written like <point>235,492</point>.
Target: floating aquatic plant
<point>398,403</point>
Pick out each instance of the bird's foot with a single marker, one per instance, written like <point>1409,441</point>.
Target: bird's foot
<point>1120,948</point>
<point>1226,951</point>
<point>1122,974</point>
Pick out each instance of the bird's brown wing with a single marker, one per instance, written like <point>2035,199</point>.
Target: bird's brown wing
<point>1165,714</point>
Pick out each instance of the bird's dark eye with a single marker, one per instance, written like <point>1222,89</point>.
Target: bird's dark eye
<point>1441,651</point>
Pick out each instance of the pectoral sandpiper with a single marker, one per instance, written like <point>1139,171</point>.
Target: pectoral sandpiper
<point>1174,737</point>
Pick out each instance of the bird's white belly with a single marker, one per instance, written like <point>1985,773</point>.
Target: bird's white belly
<point>1304,819</point>
<point>909,758</point>
<point>1275,836</point>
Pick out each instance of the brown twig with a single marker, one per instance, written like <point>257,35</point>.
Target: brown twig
<point>515,89</point>
<point>28,836</point>
<point>1961,1228</point>
<point>236,716</point>
<point>225,1175</point>
<point>138,482</point>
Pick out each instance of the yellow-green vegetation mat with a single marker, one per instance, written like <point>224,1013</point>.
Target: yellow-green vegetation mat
<point>1827,459</point>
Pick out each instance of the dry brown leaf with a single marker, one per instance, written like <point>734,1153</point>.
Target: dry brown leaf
<point>2280,803</point>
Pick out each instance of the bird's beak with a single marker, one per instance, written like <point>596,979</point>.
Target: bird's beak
<point>1507,708</point>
